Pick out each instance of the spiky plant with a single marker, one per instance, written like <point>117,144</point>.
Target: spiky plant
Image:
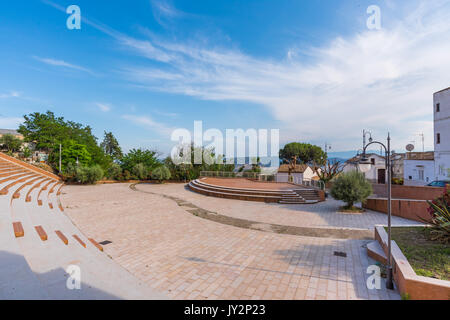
<point>440,217</point>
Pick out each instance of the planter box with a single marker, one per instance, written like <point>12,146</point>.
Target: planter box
<point>409,209</point>
<point>407,281</point>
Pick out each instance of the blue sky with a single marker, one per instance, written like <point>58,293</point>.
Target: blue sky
<point>309,68</point>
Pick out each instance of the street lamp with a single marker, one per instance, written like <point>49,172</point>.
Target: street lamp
<point>364,162</point>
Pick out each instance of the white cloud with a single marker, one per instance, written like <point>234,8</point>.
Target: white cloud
<point>103,107</point>
<point>12,94</point>
<point>10,122</point>
<point>61,63</point>
<point>150,124</point>
<point>381,80</point>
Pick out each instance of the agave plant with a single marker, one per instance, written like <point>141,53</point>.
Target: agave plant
<point>440,217</point>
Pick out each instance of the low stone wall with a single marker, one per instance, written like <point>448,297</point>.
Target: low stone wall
<point>408,192</point>
<point>407,281</point>
<point>410,209</point>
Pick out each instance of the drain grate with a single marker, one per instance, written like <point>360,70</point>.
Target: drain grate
<point>340,254</point>
<point>104,243</point>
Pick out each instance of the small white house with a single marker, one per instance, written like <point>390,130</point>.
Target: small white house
<point>377,172</point>
<point>301,172</point>
<point>418,168</point>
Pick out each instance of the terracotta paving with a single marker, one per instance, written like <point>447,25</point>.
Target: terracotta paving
<point>187,257</point>
<point>319,215</point>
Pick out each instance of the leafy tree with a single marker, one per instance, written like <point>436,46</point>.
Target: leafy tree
<point>148,158</point>
<point>48,131</point>
<point>89,175</point>
<point>191,170</point>
<point>111,146</point>
<point>26,153</point>
<point>71,152</point>
<point>10,142</point>
<point>351,187</point>
<point>141,171</point>
<point>161,173</point>
<point>305,153</point>
<point>114,172</point>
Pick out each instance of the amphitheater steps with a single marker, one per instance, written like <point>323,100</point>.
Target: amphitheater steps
<point>278,196</point>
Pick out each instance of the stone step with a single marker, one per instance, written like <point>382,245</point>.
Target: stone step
<point>376,252</point>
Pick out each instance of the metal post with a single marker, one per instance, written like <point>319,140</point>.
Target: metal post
<point>60,148</point>
<point>389,281</point>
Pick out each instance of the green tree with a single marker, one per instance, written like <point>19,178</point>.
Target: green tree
<point>114,171</point>
<point>89,175</point>
<point>148,158</point>
<point>111,146</point>
<point>351,187</point>
<point>71,152</point>
<point>48,131</point>
<point>305,153</point>
<point>161,173</point>
<point>140,171</point>
<point>10,142</point>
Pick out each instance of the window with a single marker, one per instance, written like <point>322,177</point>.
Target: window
<point>372,161</point>
<point>438,138</point>
<point>438,107</point>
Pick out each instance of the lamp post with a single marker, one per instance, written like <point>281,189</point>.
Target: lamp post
<point>365,161</point>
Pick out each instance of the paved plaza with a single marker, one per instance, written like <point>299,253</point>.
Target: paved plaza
<point>186,257</point>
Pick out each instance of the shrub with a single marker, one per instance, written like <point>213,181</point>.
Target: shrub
<point>126,175</point>
<point>115,172</point>
<point>440,217</point>
<point>88,175</point>
<point>140,171</point>
<point>161,174</point>
<point>351,187</point>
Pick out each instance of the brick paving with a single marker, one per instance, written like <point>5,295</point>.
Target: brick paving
<point>319,215</point>
<point>187,257</point>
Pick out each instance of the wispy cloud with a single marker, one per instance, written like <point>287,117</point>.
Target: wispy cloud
<point>12,94</point>
<point>103,107</point>
<point>150,124</point>
<point>62,63</point>
<point>382,80</point>
<point>10,122</point>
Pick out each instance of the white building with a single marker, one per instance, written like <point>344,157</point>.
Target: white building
<point>377,172</point>
<point>441,101</point>
<point>302,172</point>
<point>418,168</point>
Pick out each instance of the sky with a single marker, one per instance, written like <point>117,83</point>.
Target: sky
<point>311,69</point>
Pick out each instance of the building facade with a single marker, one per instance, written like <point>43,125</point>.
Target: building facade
<point>441,101</point>
<point>377,172</point>
<point>418,168</point>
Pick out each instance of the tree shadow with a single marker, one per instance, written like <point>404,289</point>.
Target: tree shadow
<point>19,282</point>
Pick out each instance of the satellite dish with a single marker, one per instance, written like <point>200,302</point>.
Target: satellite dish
<point>410,147</point>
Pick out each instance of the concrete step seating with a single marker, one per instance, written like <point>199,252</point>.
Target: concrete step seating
<point>261,195</point>
<point>37,245</point>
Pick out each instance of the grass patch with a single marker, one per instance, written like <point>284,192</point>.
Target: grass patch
<point>428,258</point>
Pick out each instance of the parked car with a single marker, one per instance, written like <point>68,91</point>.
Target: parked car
<point>440,184</point>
